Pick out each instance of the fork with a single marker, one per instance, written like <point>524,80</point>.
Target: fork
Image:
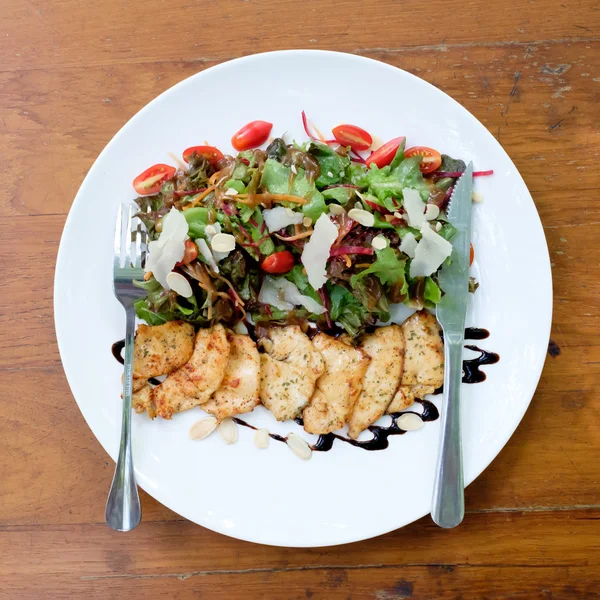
<point>123,510</point>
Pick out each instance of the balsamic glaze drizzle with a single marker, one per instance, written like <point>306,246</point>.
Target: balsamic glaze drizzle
<point>379,441</point>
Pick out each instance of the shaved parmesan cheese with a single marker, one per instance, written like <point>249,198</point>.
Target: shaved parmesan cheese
<point>431,251</point>
<point>207,254</point>
<point>284,295</point>
<point>409,244</point>
<point>415,207</point>
<point>178,283</point>
<point>279,217</point>
<point>316,251</point>
<point>168,249</point>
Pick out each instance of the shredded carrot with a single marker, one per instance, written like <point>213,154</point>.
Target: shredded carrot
<point>363,265</point>
<point>258,198</point>
<point>199,198</point>
<point>296,228</point>
<point>292,238</point>
<point>347,259</point>
<point>147,275</point>
<point>213,178</point>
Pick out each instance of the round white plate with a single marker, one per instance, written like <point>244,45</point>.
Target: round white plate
<point>347,494</point>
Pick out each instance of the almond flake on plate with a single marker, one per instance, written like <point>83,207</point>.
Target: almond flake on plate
<point>261,438</point>
<point>202,428</point>
<point>228,431</point>
<point>409,422</point>
<point>298,446</point>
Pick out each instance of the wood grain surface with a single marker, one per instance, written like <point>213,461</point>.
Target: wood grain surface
<point>72,72</point>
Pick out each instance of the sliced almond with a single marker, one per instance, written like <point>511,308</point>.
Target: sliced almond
<point>409,422</point>
<point>202,428</point>
<point>223,242</point>
<point>362,216</point>
<point>379,242</point>
<point>438,226</point>
<point>432,212</point>
<point>240,327</point>
<point>477,197</point>
<point>178,283</point>
<point>231,192</point>
<point>307,221</point>
<point>261,438</point>
<point>228,431</point>
<point>210,230</point>
<point>336,209</point>
<point>298,446</point>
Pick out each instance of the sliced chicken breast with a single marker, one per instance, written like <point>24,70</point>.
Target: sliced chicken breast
<point>423,360</point>
<point>141,401</point>
<point>238,392</point>
<point>338,387</point>
<point>162,349</point>
<point>289,371</point>
<point>195,382</point>
<point>385,346</point>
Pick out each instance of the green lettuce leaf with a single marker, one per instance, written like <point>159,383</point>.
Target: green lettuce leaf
<point>386,182</point>
<point>347,310</point>
<point>388,268</point>
<point>276,180</point>
<point>432,294</point>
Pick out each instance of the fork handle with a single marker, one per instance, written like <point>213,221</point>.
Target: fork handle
<point>448,508</point>
<point>123,510</point>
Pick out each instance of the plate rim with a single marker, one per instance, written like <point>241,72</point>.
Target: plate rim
<point>78,199</point>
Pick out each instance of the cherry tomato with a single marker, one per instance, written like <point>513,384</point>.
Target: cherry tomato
<point>190,253</point>
<point>385,155</point>
<point>211,153</point>
<point>471,255</point>
<point>151,179</point>
<point>431,158</point>
<point>279,262</point>
<point>350,135</point>
<point>252,135</point>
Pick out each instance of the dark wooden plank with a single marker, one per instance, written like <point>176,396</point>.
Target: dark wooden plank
<point>44,34</point>
<point>544,120</point>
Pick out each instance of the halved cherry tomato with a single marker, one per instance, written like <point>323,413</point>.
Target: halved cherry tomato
<point>431,158</point>
<point>471,254</point>
<point>350,135</point>
<point>211,153</point>
<point>252,135</point>
<point>279,262</point>
<point>190,253</point>
<point>151,179</point>
<point>385,155</point>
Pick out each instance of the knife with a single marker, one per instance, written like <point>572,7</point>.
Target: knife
<point>448,506</point>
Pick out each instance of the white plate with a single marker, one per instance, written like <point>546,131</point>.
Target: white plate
<point>348,494</point>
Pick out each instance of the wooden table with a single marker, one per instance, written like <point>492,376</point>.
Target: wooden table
<point>73,72</point>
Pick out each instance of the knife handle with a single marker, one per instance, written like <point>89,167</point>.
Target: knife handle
<point>448,508</point>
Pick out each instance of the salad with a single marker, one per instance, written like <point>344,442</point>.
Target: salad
<point>296,233</point>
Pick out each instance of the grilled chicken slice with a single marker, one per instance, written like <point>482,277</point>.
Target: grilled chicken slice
<point>141,401</point>
<point>423,360</point>
<point>288,371</point>
<point>238,392</point>
<point>385,346</point>
<point>195,382</point>
<point>161,349</point>
<point>337,388</point>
